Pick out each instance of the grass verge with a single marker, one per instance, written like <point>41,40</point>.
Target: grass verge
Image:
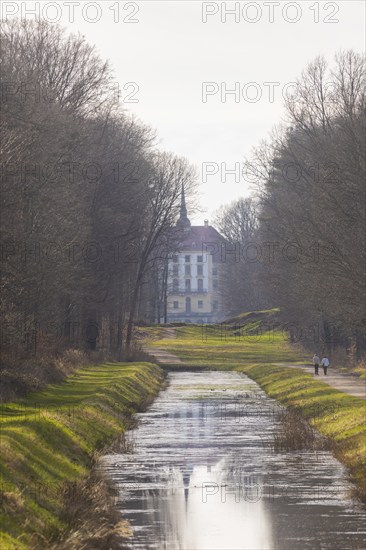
<point>49,440</point>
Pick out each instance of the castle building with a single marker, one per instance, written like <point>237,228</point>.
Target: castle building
<point>193,289</point>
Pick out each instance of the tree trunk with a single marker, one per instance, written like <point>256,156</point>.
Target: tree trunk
<point>119,334</point>
<point>131,316</point>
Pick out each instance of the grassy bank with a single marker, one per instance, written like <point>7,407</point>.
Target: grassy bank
<point>49,439</point>
<point>254,350</point>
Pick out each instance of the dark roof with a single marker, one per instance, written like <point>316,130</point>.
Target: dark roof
<point>202,238</point>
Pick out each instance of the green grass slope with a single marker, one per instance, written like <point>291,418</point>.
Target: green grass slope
<point>49,438</point>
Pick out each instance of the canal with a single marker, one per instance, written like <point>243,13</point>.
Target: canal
<point>202,474</point>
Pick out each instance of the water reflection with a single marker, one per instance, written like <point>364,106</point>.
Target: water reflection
<point>199,510</point>
<point>203,477</point>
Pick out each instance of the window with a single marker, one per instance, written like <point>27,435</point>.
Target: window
<point>200,285</point>
<point>187,269</point>
<point>215,305</point>
<point>188,285</point>
<point>176,305</point>
<point>200,304</point>
<point>175,258</point>
<point>215,284</point>
<point>175,270</point>
<point>175,285</point>
<point>187,259</point>
<point>200,259</point>
<point>214,271</point>
<point>200,270</point>
<point>188,305</point>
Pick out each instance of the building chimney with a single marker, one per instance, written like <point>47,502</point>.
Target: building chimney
<point>206,223</point>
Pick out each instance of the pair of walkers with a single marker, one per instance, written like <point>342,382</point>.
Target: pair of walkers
<point>324,363</point>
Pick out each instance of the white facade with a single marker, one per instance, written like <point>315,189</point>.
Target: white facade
<point>193,288</point>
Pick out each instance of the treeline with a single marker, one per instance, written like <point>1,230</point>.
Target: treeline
<point>87,200</point>
<point>307,220</point>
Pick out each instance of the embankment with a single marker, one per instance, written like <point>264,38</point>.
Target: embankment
<point>334,414</point>
<point>49,441</point>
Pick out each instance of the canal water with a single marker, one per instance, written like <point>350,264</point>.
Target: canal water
<point>201,474</point>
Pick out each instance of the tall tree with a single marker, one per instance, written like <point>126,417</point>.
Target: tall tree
<point>312,202</point>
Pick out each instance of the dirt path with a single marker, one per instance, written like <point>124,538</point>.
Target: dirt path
<point>169,333</point>
<point>343,382</point>
<point>163,357</point>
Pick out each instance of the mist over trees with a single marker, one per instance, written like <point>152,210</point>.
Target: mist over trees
<point>309,218</point>
<point>238,223</point>
<point>87,199</point>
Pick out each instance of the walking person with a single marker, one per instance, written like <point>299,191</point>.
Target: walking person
<point>325,364</point>
<point>316,362</point>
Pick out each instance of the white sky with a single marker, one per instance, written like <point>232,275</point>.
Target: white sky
<point>170,52</point>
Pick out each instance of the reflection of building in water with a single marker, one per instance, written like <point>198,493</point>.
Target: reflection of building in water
<point>203,490</point>
<point>186,479</point>
<point>187,472</point>
<point>184,519</point>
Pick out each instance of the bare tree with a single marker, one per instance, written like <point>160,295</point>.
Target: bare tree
<point>168,174</point>
<point>312,196</point>
<point>238,223</point>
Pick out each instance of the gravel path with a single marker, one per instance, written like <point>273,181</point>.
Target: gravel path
<point>163,357</point>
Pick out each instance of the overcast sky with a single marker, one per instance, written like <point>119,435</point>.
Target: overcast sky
<point>169,52</point>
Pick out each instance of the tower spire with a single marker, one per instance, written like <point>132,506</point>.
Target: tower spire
<point>183,221</point>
